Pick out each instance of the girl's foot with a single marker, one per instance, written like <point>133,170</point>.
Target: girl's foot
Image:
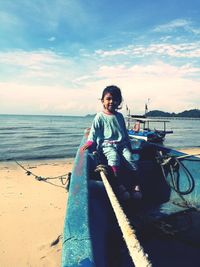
<point>137,194</point>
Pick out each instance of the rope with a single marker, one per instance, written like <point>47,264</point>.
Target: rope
<point>136,252</point>
<point>173,165</point>
<point>66,176</point>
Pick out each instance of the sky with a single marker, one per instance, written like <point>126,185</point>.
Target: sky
<point>57,56</point>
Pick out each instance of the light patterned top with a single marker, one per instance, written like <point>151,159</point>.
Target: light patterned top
<point>108,129</point>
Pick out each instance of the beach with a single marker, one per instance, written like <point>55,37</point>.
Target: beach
<point>32,212</point>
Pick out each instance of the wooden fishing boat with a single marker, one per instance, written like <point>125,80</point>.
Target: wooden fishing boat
<point>165,222</point>
<point>144,128</point>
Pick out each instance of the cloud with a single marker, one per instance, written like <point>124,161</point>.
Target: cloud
<point>37,67</point>
<point>111,52</point>
<point>159,68</point>
<point>165,84</point>
<point>19,98</point>
<point>52,39</point>
<point>44,82</point>
<point>173,25</point>
<point>181,50</point>
<point>168,91</point>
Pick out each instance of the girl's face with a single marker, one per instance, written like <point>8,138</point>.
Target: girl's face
<point>110,104</point>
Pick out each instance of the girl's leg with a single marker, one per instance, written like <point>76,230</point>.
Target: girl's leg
<point>113,158</point>
<point>114,161</point>
<point>126,153</point>
<point>132,165</point>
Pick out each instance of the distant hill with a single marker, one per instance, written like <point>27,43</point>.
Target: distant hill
<point>90,115</point>
<point>193,113</point>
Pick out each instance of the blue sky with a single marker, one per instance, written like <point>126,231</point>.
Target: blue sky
<point>57,56</point>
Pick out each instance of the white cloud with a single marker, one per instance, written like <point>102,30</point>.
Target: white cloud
<point>184,50</point>
<point>174,24</point>
<point>37,67</point>
<point>62,88</point>
<point>164,84</point>
<point>159,68</point>
<point>115,52</point>
<point>45,99</point>
<point>26,59</point>
<point>181,50</point>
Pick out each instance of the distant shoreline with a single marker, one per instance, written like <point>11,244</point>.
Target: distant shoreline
<point>186,114</point>
<point>174,118</point>
<point>192,113</point>
<point>92,115</point>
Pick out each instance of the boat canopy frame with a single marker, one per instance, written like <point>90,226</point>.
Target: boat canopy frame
<point>146,122</point>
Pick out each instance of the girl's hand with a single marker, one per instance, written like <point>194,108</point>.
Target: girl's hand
<point>86,146</point>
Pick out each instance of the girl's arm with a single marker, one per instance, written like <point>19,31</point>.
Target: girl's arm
<point>93,134</point>
<point>87,145</point>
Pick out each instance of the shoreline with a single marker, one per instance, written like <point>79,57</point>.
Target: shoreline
<point>188,150</point>
<point>39,161</point>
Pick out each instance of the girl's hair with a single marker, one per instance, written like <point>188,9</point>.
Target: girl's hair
<point>114,91</point>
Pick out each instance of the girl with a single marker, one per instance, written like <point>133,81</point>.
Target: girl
<point>109,132</point>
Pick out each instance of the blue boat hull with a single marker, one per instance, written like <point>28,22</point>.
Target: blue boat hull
<point>92,236</point>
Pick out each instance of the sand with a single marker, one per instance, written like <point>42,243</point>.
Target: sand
<point>32,213</point>
<point>191,151</point>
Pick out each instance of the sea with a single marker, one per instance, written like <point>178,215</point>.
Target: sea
<point>42,137</point>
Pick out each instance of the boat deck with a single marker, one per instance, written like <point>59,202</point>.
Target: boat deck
<point>166,220</point>
<point>159,222</point>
